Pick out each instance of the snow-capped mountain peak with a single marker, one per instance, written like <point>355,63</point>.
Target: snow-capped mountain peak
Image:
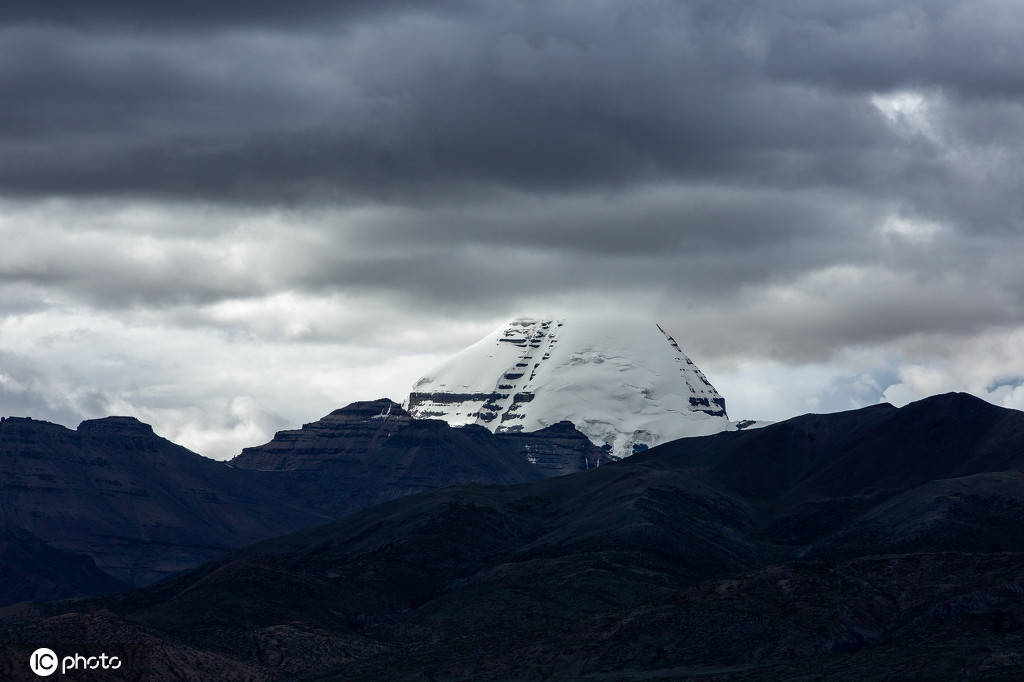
<point>627,387</point>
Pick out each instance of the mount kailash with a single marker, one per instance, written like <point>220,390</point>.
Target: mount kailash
<point>627,387</point>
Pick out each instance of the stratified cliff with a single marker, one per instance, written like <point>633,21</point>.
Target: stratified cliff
<point>372,452</point>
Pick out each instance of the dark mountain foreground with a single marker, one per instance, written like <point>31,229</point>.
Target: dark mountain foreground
<point>31,570</point>
<point>875,544</point>
<point>143,508</point>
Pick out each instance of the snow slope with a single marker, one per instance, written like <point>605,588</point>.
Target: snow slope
<point>627,387</point>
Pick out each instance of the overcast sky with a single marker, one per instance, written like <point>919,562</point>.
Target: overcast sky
<point>229,218</point>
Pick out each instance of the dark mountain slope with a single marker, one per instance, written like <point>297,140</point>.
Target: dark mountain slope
<point>812,475</point>
<point>978,513</point>
<point>922,616</point>
<point>31,570</point>
<point>141,506</point>
<point>908,617</point>
<point>145,508</point>
<point>619,536</point>
<point>452,563</point>
<point>878,448</point>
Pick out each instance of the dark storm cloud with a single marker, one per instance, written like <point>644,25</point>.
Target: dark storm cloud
<point>468,157</point>
<point>971,48</point>
<point>511,250</point>
<point>196,14</point>
<point>543,98</point>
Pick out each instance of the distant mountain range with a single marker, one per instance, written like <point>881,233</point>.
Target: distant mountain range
<point>142,508</point>
<point>880,543</point>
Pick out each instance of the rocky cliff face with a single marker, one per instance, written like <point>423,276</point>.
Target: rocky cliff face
<point>351,433</point>
<point>558,449</point>
<point>626,387</point>
<point>372,452</point>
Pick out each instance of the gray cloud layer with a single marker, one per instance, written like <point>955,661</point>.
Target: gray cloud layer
<point>785,182</point>
<point>535,96</point>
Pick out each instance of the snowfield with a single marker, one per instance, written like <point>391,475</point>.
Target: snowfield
<point>627,387</point>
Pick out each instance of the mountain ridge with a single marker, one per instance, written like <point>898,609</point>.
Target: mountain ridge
<point>144,508</point>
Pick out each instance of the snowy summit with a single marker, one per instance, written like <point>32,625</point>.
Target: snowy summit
<point>627,387</point>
